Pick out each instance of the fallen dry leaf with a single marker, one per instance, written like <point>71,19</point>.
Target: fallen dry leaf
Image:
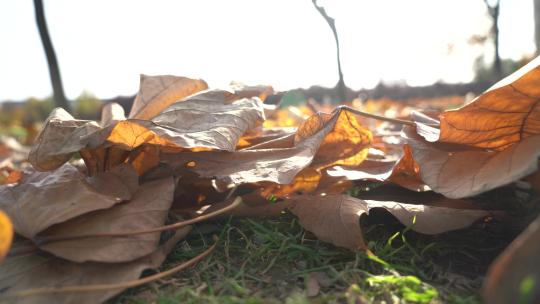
<point>488,143</point>
<point>515,274</point>
<point>36,269</point>
<point>280,160</point>
<point>335,218</point>
<point>346,144</point>
<point>214,119</point>
<point>61,136</point>
<point>112,112</point>
<point>147,209</point>
<point>404,172</point>
<point>43,199</point>
<point>458,171</point>
<point>6,235</point>
<point>506,114</point>
<point>158,92</point>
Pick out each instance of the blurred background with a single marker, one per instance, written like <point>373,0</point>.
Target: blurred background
<point>393,50</point>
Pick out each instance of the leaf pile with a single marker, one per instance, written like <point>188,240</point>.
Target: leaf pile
<point>89,227</point>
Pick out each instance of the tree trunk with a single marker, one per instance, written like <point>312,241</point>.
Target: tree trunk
<point>54,72</point>
<point>497,60</point>
<point>537,25</point>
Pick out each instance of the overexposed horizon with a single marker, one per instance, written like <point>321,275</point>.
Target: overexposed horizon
<point>103,46</point>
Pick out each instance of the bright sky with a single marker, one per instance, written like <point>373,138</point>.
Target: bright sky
<point>102,46</point>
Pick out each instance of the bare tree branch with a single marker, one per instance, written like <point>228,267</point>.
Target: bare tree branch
<point>331,22</point>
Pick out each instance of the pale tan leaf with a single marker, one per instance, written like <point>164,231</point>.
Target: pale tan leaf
<point>43,199</point>
<point>158,92</point>
<point>36,269</point>
<point>367,170</point>
<point>214,119</point>
<point>211,119</point>
<point>280,160</point>
<point>404,172</point>
<point>458,171</point>
<point>514,277</point>
<point>335,218</point>
<point>111,113</point>
<point>59,139</point>
<point>147,209</point>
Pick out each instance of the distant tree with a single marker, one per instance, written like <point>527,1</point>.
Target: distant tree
<point>87,106</point>
<point>493,8</point>
<point>340,87</point>
<point>58,90</point>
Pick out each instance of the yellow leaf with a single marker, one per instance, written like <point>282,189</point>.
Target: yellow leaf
<point>6,235</point>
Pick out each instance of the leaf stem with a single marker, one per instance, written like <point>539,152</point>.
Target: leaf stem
<point>104,287</point>
<point>378,117</point>
<point>175,226</point>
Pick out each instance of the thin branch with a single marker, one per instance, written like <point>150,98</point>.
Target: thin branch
<point>105,287</point>
<point>175,226</point>
<point>332,23</point>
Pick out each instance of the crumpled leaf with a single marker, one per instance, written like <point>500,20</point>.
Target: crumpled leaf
<point>458,171</point>
<point>43,199</point>
<point>214,119</point>
<point>36,269</point>
<point>514,277</point>
<point>158,92</point>
<point>347,144</point>
<point>280,160</point>
<point>490,142</point>
<point>404,172</point>
<point>61,136</point>
<point>147,209</point>
<point>335,218</point>
<point>6,235</point>
<point>506,114</point>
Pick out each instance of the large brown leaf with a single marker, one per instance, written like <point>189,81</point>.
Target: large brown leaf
<point>213,119</point>
<point>36,269</point>
<point>209,120</point>
<point>460,171</point>
<point>280,160</point>
<point>147,209</point>
<point>514,277</point>
<point>158,92</point>
<point>335,218</point>
<point>44,199</point>
<point>508,113</point>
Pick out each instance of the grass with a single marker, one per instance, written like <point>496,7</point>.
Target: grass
<point>277,261</point>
